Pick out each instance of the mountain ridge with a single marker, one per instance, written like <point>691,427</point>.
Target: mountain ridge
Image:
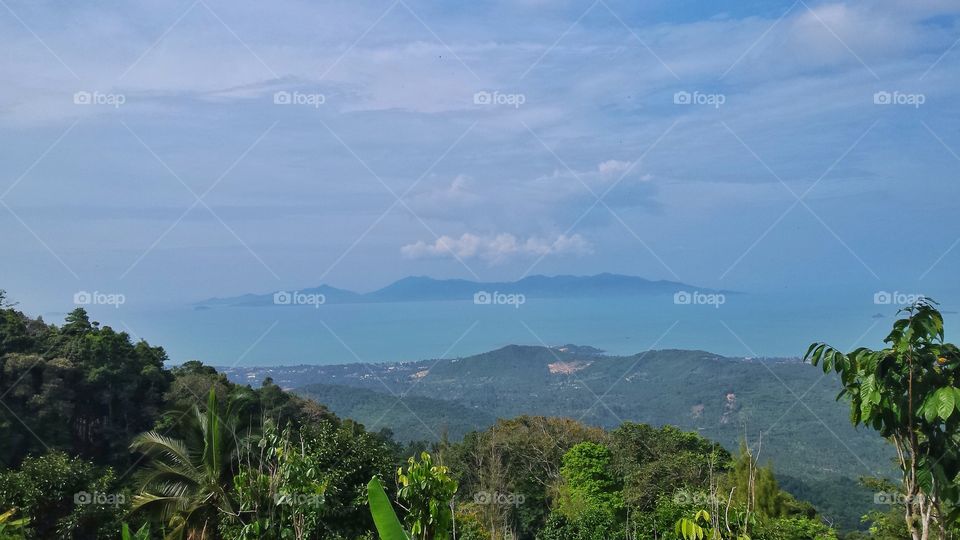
<point>424,288</point>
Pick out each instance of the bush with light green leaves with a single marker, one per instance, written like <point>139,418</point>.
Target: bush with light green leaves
<point>909,391</point>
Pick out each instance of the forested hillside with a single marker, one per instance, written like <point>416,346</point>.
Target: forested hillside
<point>809,441</point>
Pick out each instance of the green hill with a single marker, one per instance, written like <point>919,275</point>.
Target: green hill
<point>788,405</point>
<point>417,418</point>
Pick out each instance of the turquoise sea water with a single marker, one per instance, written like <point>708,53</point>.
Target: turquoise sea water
<point>745,325</point>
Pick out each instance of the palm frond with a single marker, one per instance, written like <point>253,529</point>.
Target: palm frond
<point>156,445</point>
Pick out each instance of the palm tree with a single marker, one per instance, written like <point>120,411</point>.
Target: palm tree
<point>187,482</point>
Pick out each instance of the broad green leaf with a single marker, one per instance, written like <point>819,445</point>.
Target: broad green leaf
<point>385,519</point>
<point>866,407</point>
<point>817,350</point>
<point>929,409</point>
<point>946,402</point>
<point>868,388</point>
<point>855,411</point>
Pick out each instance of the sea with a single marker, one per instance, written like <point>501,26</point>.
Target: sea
<point>737,325</point>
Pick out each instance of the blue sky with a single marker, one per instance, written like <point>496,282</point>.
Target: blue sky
<point>818,151</point>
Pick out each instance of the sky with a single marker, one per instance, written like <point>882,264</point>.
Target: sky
<point>173,151</point>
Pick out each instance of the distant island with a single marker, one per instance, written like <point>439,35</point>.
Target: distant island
<point>422,289</point>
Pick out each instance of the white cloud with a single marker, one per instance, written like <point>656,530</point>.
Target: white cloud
<point>613,166</point>
<point>496,248</point>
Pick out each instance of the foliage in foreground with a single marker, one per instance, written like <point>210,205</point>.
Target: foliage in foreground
<point>426,493</point>
<point>909,391</point>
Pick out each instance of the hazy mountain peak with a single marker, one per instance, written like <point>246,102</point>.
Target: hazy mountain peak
<point>425,288</point>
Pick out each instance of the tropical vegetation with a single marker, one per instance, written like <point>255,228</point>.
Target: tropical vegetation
<point>909,391</point>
